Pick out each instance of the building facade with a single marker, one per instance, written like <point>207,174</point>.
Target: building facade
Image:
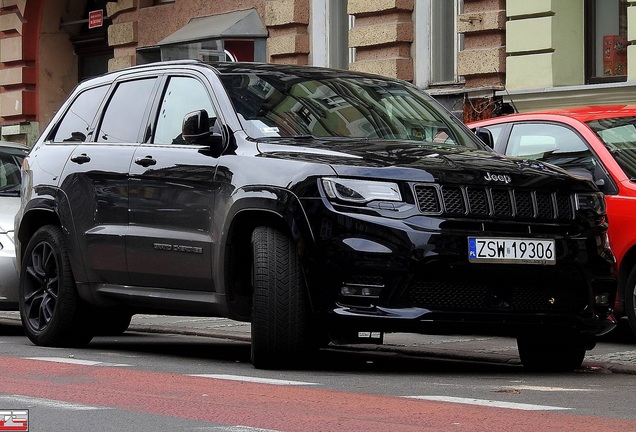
<point>480,58</point>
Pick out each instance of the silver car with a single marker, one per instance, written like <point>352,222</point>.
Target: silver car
<point>11,156</point>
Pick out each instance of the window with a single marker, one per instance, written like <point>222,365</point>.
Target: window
<point>183,95</point>
<point>76,123</point>
<point>330,26</point>
<point>554,144</point>
<point>444,40</point>
<point>606,40</point>
<point>10,162</point>
<point>437,41</point>
<point>125,112</point>
<point>495,131</point>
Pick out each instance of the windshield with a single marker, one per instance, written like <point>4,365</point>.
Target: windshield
<point>332,105</point>
<point>619,137</point>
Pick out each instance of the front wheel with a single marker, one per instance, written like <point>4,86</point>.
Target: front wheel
<point>50,307</point>
<point>545,354</point>
<point>630,300</point>
<point>281,318</point>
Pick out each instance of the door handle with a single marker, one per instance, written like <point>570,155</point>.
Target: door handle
<point>146,161</point>
<point>80,159</point>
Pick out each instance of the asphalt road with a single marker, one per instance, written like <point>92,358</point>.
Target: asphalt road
<point>615,353</point>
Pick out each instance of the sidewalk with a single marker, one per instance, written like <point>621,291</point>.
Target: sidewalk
<point>617,355</point>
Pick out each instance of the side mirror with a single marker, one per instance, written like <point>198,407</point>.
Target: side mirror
<point>486,136</point>
<point>196,129</point>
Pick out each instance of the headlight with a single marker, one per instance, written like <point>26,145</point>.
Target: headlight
<point>594,201</point>
<point>361,191</point>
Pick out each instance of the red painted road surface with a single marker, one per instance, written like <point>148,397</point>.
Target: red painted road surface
<point>288,409</point>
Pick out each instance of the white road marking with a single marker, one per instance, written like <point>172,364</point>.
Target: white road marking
<point>49,403</point>
<point>490,403</point>
<point>253,379</point>
<point>548,389</point>
<point>76,361</point>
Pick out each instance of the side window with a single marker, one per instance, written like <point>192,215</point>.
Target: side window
<point>495,131</point>
<point>554,144</point>
<point>76,123</point>
<point>125,111</point>
<point>182,96</point>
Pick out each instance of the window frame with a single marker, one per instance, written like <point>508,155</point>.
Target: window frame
<point>590,42</point>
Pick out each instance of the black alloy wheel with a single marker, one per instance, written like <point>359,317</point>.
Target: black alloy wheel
<point>50,307</point>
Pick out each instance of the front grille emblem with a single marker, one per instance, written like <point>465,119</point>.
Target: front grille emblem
<point>501,178</point>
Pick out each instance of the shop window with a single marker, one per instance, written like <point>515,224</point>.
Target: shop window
<point>606,40</point>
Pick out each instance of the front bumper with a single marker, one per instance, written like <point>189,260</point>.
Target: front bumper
<point>413,275</point>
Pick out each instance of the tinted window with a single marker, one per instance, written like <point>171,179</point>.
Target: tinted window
<point>125,111</point>
<point>183,95</point>
<point>76,123</point>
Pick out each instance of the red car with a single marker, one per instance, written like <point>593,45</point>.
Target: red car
<point>593,141</point>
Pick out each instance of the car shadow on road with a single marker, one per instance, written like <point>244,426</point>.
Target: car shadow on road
<point>331,359</point>
<point>11,330</point>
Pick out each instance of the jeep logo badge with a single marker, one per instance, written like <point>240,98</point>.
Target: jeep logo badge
<point>498,177</point>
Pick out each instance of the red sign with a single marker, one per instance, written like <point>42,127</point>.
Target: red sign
<point>95,18</point>
<point>14,420</point>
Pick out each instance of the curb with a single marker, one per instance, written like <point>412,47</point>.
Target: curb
<point>488,357</point>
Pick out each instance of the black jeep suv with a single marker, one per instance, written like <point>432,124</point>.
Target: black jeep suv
<point>319,205</point>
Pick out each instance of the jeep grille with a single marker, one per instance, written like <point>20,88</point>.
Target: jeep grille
<point>479,201</point>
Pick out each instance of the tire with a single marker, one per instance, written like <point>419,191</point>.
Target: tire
<point>551,354</point>
<point>50,307</point>
<point>630,300</point>
<point>281,318</point>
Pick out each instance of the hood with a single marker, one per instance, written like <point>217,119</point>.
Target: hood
<point>8,208</point>
<point>429,162</point>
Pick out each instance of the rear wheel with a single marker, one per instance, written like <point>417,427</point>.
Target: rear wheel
<point>551,354</point>
<point>281,318</point>
<point>50,307</point>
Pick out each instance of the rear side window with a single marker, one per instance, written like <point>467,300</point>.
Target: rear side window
<point>125,111</point>
<point>76,123</point>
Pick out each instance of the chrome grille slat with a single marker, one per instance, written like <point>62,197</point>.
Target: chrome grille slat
<point>498,202</point>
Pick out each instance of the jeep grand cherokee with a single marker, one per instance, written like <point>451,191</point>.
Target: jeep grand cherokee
<point>319,205</point>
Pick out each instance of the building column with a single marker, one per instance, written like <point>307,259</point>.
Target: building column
<point>545,44</point>
<point>482,61</point>
<point>18,69</point>
<point>122,36</point>
<point>287,22</point>
<point>382,36</point>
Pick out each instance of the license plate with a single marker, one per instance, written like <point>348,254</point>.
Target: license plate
<point>511,250</point>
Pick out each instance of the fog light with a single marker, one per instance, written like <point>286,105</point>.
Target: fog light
<point>602,299</point>
<point>367,291</point>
